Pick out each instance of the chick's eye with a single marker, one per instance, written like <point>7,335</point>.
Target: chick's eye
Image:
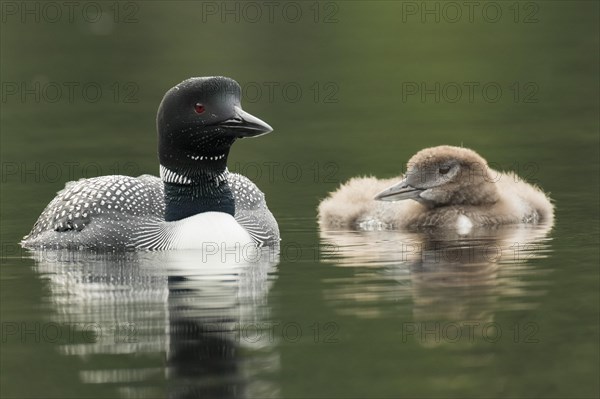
<point>444,169</point>
<point>199,108</point>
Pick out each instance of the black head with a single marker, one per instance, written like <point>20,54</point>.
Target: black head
<point>198,120</point>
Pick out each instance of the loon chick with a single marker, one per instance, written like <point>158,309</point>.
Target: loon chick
<point>196,201</point>
<point>449,186</point>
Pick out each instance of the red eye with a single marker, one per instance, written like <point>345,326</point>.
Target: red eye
<point>199,108</point>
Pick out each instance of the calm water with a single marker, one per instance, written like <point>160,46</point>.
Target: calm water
<point>351,88</point>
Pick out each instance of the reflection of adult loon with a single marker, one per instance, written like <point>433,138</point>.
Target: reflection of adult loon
<point>197,202</point>
<point>450,186</point>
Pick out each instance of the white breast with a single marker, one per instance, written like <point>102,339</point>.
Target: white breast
<point>209,231</point>
<point>463,225</point>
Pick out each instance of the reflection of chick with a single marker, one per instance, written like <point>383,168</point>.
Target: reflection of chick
<point>444,276</point>
<point>450,186</point>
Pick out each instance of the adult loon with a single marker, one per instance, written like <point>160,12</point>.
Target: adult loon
<point>450,187</point>
<point>196,201</point>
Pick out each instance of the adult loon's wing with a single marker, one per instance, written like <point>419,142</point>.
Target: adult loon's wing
<point>115,204</point>
<point>251,210</point>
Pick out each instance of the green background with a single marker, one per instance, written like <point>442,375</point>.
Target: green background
<point>352,62</point>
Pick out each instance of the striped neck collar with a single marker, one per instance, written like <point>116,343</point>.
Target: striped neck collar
<point>169,176</point>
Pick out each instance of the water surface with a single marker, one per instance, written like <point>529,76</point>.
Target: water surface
<point>511,312</point>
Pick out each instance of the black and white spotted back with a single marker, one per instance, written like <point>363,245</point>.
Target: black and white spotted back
<point>111,212</point>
